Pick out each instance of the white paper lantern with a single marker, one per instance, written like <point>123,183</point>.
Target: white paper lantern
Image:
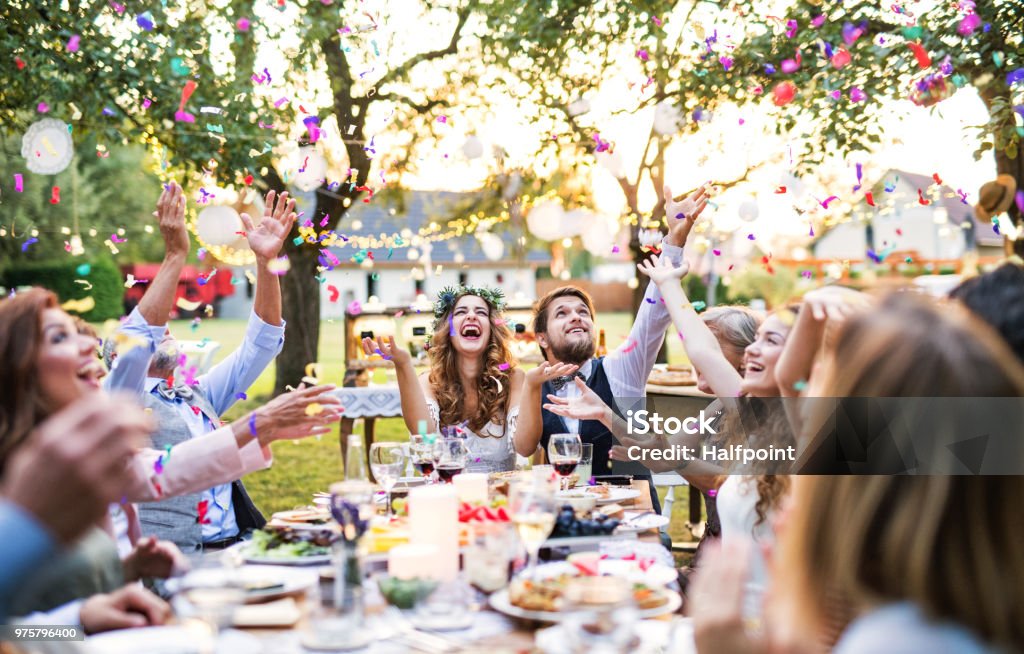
<point>599,234</point>
<point>310,168</point>
<point>574,222</point>
<point>47,146</point>
<point>473,148</point>
<point>545,219</point>
<point>749,211</point>
<point>492,245</point>
<point>218,225</point>
<point>613,163</point>
<point>667,118</point>
<point>578,107</point>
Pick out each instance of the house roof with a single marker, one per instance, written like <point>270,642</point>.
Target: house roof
<point>422,208</point>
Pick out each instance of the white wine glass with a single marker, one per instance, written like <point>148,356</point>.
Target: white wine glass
<point>387,460</point>
<point>532,504</point>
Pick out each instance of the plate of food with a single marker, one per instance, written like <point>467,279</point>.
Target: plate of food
<point>310,517</point>
<point>603,494</point>
<point>543,599</point>
<point>648,572</point>
<point>262,582</point>
<point>634,521</point>
<point>285,545</point>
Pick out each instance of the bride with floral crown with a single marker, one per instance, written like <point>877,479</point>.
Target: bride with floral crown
<point>473,386</point>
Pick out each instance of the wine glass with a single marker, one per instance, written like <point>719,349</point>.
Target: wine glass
<point>421,449</point>
<point>532,504</point>
<point>564,452</point>
<point>387,460</point>
<point>451,455</point>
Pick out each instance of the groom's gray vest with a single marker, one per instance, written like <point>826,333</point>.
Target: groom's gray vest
<point>176,518</point>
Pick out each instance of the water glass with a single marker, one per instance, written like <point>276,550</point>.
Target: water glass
<point>585,470</point>
<point>387,460</point>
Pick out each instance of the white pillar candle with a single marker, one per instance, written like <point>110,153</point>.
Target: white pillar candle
<point>434,520</point>
<point>411,561</point>
<point>471,487</point>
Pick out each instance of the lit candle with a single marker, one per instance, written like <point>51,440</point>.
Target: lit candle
<point>471,486</point>
<point>434,520</point>
<point>412,561</point>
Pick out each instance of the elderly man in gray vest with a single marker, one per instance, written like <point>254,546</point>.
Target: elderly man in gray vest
<point>186,407</point>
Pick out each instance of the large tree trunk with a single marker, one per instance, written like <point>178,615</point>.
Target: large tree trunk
<point>1014,168</point>
<point>300,293</point>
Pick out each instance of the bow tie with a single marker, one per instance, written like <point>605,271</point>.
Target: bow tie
<point>179,390</point>
<point>560,382</point>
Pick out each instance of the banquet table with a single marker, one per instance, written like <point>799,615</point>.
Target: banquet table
<point>491,631</point>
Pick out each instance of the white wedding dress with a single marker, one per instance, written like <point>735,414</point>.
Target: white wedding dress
<point>736,499</point>
<point>493,450</point>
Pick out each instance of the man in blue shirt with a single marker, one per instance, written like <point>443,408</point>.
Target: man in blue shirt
<point>186,407</point>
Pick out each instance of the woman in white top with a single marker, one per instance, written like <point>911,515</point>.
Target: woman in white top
<point>891,563</point>
<point>473,386</point>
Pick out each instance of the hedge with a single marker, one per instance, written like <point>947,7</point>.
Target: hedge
<point>59,276</point>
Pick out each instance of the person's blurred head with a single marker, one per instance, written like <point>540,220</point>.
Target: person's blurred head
<point>44,361</point>
<point>997,297</point>
<point>563,322</point>
<point>760,357</point>
<point>735,327</point>
<point>944,543</point>
<point>910,346</point>
<point>165,359</point>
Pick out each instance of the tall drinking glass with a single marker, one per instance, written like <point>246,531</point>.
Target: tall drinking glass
<point>564,452</point>
<point>585,470</point>
<point>387,460</point>
<point>532,505</point>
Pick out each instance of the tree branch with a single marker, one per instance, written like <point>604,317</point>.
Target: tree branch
<point>407,101</point>
<point>403,69</point>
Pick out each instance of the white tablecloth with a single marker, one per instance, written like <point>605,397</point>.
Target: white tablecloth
<point>382,401</point>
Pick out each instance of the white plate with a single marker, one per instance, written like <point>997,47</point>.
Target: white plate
<point>642,522</point>
<point>657,574</point>
<point>653,637</point>
<point>319,559</point>
<point>501,603</point>
<point>185,639</point>
<point>284,581</point>
<point>615,494</point>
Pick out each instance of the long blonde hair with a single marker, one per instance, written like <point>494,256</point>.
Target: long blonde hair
<point>947,543</point>
<point>493,385</point>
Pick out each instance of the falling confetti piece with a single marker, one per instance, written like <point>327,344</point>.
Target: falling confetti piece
<point>334,293</point>
<point>750,237</point>
<point>85,305</point>
<point>504,366</point>
<point>72,45</point>
<point>24,246</point>
<point>181,115</point>
<point>824,203</point>
<point>313,409</point>
<point>923,60</point>
<point>629,348</point>
<point>187,305</point>
<point>19,184</point>
<point>354,308</point>
<point>921,199</point>
<point>869,199</point>
<point>800,386</point>
<point>201,509</point>
<point>145,21</point>
<point>241,396</point>
<point>780,190</point>
<point>55,195</point>
<point>699,306</point>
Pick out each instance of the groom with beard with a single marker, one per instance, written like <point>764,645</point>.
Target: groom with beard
<point>563,323</point>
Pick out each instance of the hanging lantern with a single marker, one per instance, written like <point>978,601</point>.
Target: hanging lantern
<point>599,234</point>
<point>473,148</point>
<point>544,220</point>
<point>492,245</point>
<point>748,211</point>
<point>218,225</point>
<point>573,222</point>
<point>47,147</point>
<point>578,107</point>
<point>310,168</point>
<point>667,118</point>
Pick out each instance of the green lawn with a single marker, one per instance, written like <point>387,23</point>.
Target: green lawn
<point>302,467</point>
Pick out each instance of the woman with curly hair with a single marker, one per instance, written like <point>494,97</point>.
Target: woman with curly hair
<point>473,384</point>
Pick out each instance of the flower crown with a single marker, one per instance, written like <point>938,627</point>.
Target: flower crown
<point>447,298</point>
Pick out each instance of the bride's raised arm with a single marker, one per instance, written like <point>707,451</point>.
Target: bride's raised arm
<point>414,403</point>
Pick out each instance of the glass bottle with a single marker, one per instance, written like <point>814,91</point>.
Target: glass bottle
<point>602,349</point>
<point>355,459</point>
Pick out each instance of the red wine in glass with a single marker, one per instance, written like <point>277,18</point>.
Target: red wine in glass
<point>424,466</point>
<point>565,468</point>
<point>448,470</point>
